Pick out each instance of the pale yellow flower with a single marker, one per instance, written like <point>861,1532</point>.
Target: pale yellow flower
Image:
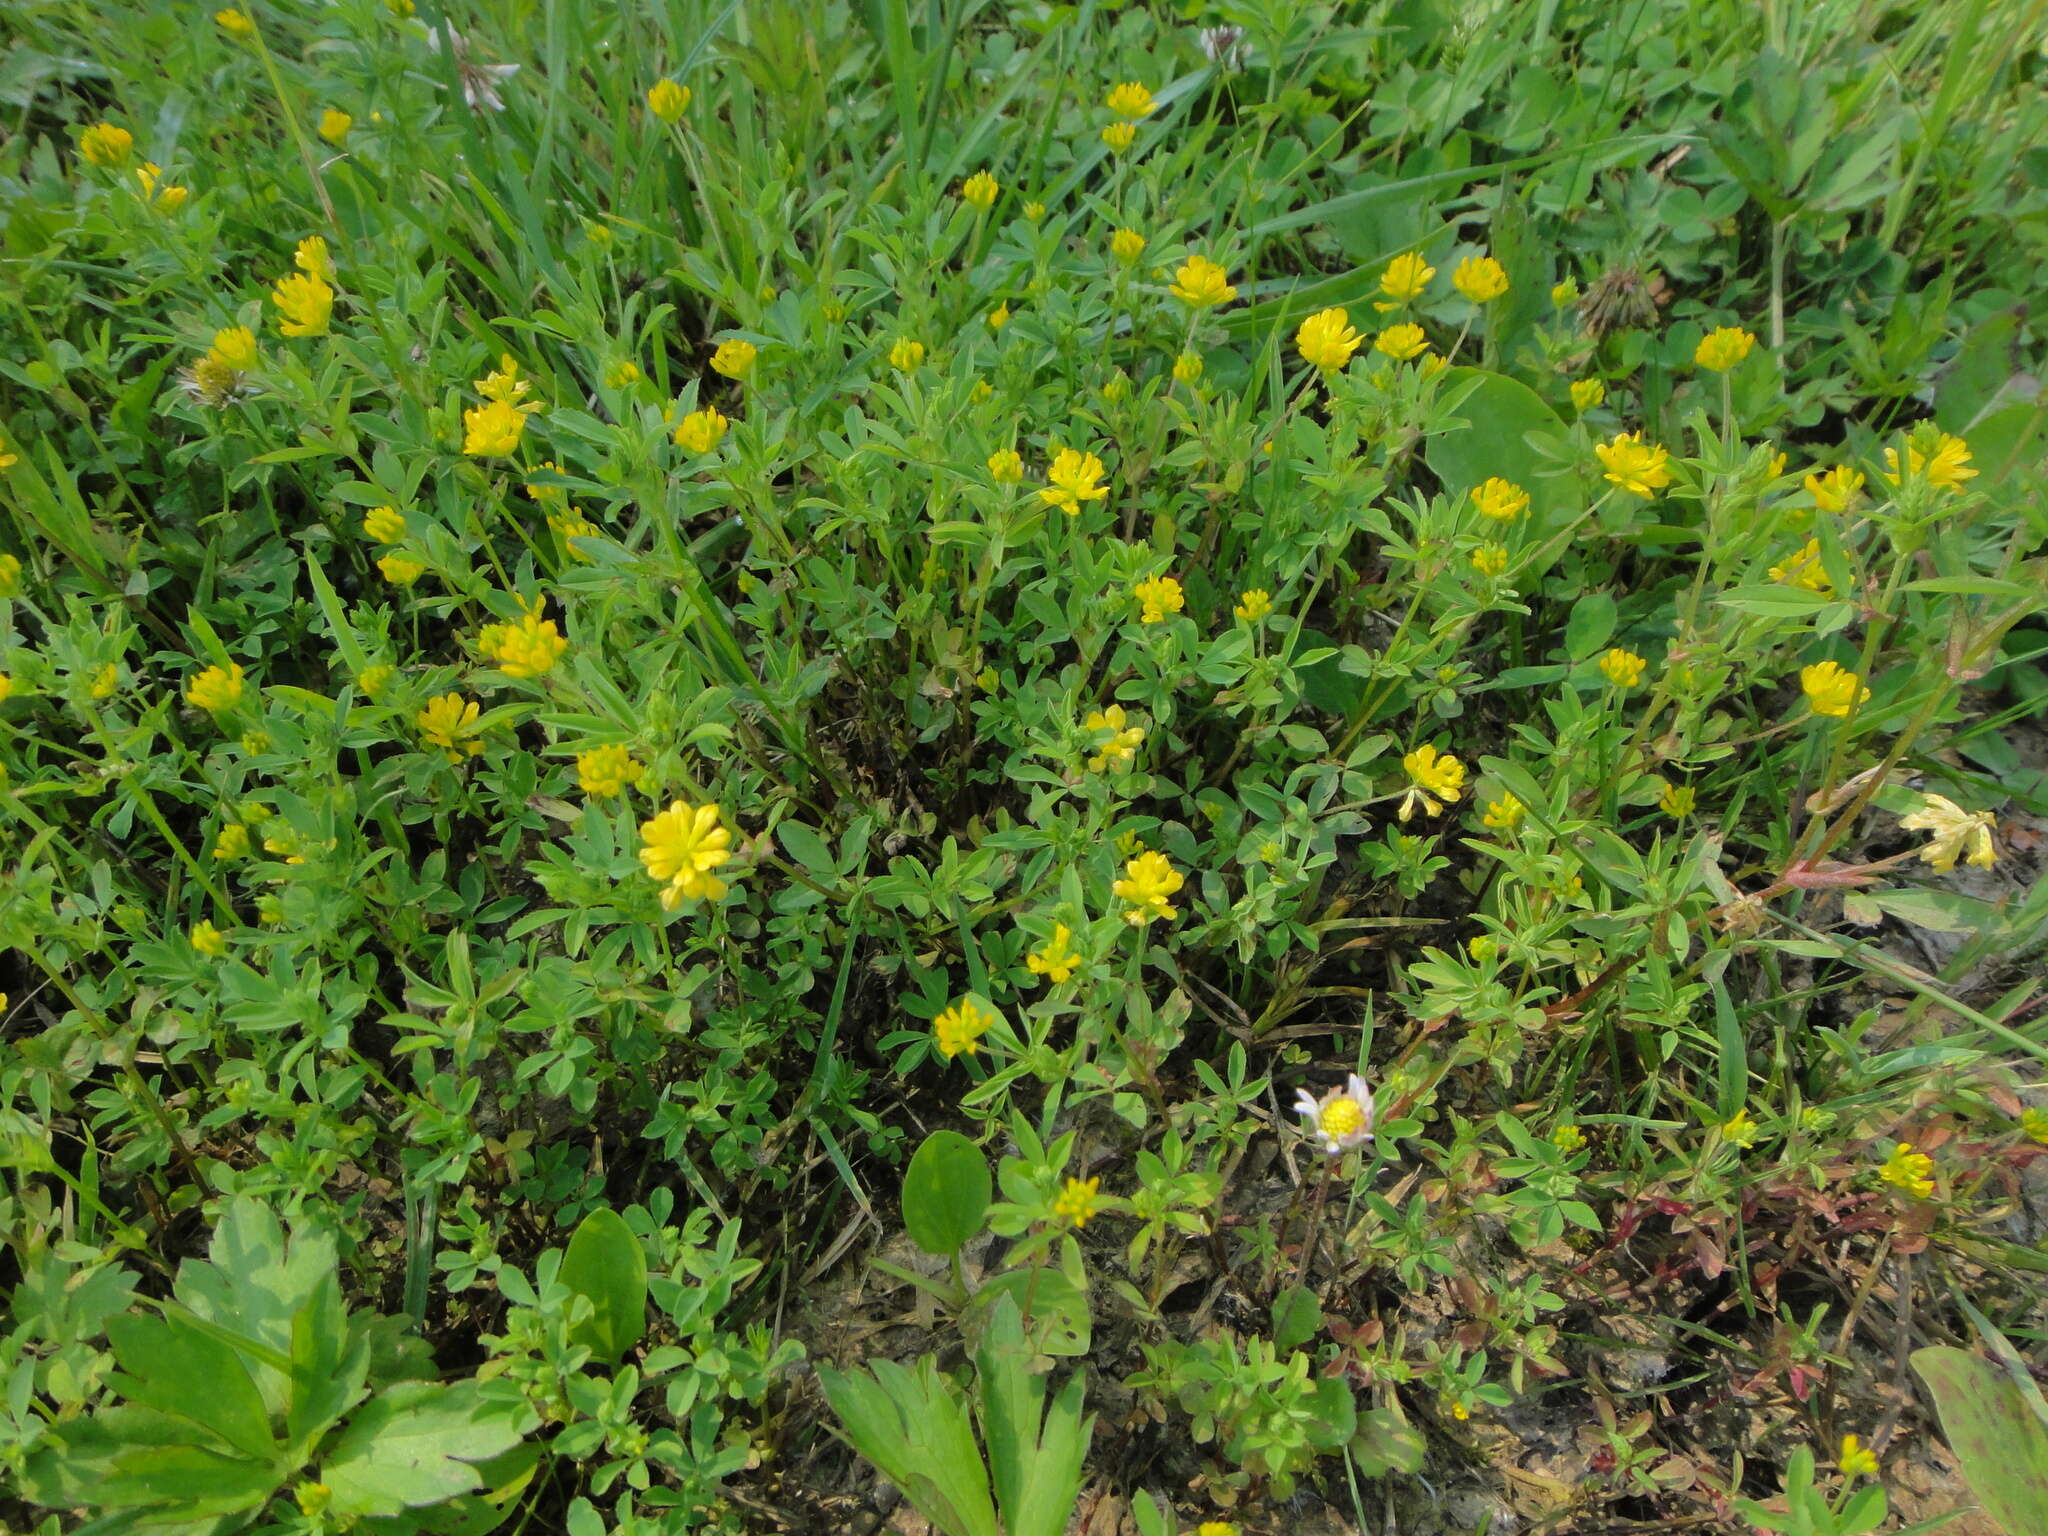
<point>1952,830</point>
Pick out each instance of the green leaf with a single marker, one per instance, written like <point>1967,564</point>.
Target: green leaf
<point>946,1191</point>
<point>1590,625</point>
<point>807,848</point>
<point>1297,1317</point>
<point>177,1369</point>
<point>605,1264</point>
<point>1996,1436</point>
<point>414,1445</point>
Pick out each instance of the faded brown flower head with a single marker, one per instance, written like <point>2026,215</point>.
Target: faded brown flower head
<point>1621,299</point>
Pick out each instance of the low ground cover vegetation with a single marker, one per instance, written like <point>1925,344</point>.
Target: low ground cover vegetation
<point>1224,768</point>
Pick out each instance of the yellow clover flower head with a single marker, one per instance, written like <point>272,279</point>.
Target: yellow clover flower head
<point>1405,280</point>
<point>233,842</point>
<point>1857,1459</point>
<point>1952,830</point>
<point>1490,560</point>
<point>1072,478</point>
<point>1804,570</point>
<point>304,302</point>
<point>384,524</point>
<point>1480,278</point>
<point>207,940</point>
<point>1157,597</point>
<point>528,648</point>
<point>1836,490</point>
<point>1127,245</point>
<point>906,356</point>
<point>1341,1119</point>
<point>701,431</point>
<point>399,571</point>
<point>1078,1200</point>
<point>1640,468</point>
<point>1940,458</point>
<point>1568,1138</point>
<point>1006,466</point>
<point>957,1031</point>
<point>1622,668</point>
<point>1401,342</point>
<point>1034,211</point>
<point>156,191</point>
<point>450,723</point>
<point>1326,340</point>
<point>680,847</point>
<point>1201,284</point>
<point>1118,740</point>
<point>734,357</point>
<point>234,347</point>
<point>1832,689</point>
<point>1435,778</point>
<point>492,430</point>
<point>334,126</point>
<point>1587,394</point>
<point>1215,1528</point>
<point>1149,879</point>
<point>107,145</point>
<point>668,100</point>
<point>1676,801</point>
<point>1504,814</point>
<point>1721,349</point>
<point>622,375</point>
<point>235,23</point>
<point>1501,500</point>
<point>980,191</point>
<point>374,679</point>
<point>1909,1171</point>
<point>999,316</point>
<point>1187,368</point>
<point>1253,604</point>
<point>1055,960</point>
<point>1120,136</point>
<point>1130,101</point>
<point>608,771</point>
<point>216,689</point>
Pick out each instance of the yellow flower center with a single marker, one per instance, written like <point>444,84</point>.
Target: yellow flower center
<point>1341,1118</point>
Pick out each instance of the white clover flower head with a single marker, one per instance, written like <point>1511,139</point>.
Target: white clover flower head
<point>1341,1119</point>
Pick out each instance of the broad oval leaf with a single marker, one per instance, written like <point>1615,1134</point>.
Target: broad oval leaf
<point>605,1263</point>
<point>946,1191</point>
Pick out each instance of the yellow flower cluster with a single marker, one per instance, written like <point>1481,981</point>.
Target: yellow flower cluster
<point>1908,1170</point>
<point>1127,245</point>
<point>1405,280</point>
<point>1640,468</point>
<point>734,357</point>
<point>668,100</point>
<point>980,191</point>
<point>1832,689</point>
<point>1501,500</point>
<point>1836,490</point>
<point>701,431</point>
<point>608,771</point>
<point>1157,597</point>
<point>1435,778</point>
<point>680,847</point>
<point>958,1030</point>
<point>1480,279</point>
<point>1055,960</point>
<point>1719,350</point>
<point>450,723</point>
<point>1148,881</point>
<point>1326,340</point>
<point>1078,1200</point>
<point>1622,668</point>
<point>106,145</point>
<point>529,647</point>
<point>216,689</point>
<point>1074,477</point>
<point>1123,740</point>
<point>1201,284</point>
